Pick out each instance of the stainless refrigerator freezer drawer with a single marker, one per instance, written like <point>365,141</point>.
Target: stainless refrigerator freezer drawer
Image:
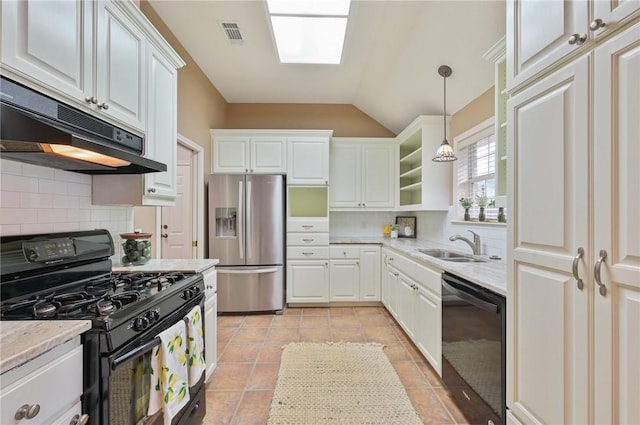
<point>246,289</point>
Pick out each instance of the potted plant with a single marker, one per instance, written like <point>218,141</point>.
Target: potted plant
<point>395,228</point>
<point>482,200</point>
<point>466,203</point>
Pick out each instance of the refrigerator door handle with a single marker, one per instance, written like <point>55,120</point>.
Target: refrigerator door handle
<point>246,271</point>
<point>241,219</point>
<point>249,195</point>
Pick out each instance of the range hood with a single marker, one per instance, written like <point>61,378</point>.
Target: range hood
<point>43,131</point>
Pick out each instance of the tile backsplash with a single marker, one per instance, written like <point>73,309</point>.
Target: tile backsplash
<point>36,199</point>
<point>433,225</point>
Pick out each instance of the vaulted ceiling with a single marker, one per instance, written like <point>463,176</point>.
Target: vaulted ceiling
<point>390,61</point>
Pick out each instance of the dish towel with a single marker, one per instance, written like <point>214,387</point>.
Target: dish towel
<point>169,373</point>
<point>195,345</point>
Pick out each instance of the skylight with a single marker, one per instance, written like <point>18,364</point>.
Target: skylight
<point>309,31</point>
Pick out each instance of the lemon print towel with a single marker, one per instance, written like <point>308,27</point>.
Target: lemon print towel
<point>169,384</point>
<point>195,345</point>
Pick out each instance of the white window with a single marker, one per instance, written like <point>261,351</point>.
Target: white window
<point>475,169</point>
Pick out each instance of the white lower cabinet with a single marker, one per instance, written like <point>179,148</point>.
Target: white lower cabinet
<point>307,281</point>
<point>355,273</point>
<point>49,385</point>
<point>210,321</point>
<point>411,293</point>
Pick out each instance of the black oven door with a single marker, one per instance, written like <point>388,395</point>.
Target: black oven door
<point>474,349</point>
<point>126,377</point>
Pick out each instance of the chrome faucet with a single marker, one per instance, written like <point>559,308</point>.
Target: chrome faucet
<point>475,245</point>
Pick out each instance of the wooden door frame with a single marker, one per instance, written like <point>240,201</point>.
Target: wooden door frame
<point>198,206</point>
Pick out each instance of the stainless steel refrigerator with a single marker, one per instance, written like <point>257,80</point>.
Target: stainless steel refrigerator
<point>246,233</point>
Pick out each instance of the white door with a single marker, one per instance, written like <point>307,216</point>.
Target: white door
<point>393,287</point>
<point>616,203</point>
<point>370,285</point>
<point>548,315</point>
<point>230,155</point>
<point>377,176</point>
<point>308,161</point>
<point>268,155</point>
<point>429,327</point>
<point>177,221</point>
<point>344,277</point>
<point>346,174</point>
<point>307,281</point>
<point>407,301</point>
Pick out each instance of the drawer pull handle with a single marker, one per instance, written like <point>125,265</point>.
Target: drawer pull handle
<point>79,420</point>
<point>576,275</point>
<point>307,240</point>
<point>26,411</point>
<point>307,253</point>
<point>596,272</point>
<point>307,226</point>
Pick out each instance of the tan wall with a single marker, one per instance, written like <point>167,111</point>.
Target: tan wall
<point>344,120</point>
<point>479,109</point>
<point>201,107</point>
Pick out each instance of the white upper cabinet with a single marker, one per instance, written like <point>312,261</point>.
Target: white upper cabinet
<point>423,184</point>
<point>541,33</point>
<point>308,159</point>
<point>90,54</point>
<point>362,172</point>
<point>240,152</point>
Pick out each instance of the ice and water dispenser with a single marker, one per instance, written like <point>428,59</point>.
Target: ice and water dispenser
<point>226,223</point>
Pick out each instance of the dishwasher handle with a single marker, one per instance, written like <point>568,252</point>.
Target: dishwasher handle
<point>469,294</point>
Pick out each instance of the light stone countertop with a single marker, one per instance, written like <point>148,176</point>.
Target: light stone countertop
<point>490,274</point>
<point>160,265</point>
<point>24,340</point>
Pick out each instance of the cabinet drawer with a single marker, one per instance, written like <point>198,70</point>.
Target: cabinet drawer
<point>344,251</point>
<point>56,387</point>
<point>319,225</point>
<point>308,239</point>
<point>308,253</point>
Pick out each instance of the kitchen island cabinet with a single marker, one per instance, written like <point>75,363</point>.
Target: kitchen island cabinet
<point>39,358</point>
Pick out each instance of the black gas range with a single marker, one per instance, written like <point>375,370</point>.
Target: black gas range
<point>67,276</point>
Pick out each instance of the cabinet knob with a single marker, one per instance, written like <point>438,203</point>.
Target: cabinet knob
<point>151,190</point>
<point>246,170</point>
<point>577,39</point>
<point>26,411</point>
<point>79,420</point>
<point>91,99</point>
<point>596,24</point>
<point>164,235</point>
<point>103,105</point>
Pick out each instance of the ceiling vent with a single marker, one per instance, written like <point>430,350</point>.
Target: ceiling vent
<point>232,32</point>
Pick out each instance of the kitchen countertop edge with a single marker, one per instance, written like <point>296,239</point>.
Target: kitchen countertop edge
<point>22,341</point>
<point>160,265</point>
<point>490,274</point>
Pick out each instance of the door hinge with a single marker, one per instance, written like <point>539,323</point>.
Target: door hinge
<point>194,244</point>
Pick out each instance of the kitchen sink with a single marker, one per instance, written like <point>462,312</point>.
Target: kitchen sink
<point>445,255</point>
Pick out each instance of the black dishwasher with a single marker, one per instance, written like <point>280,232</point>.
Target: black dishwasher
<point>474,349</point>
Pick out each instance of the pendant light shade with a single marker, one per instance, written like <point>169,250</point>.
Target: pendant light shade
<point>445,151</point>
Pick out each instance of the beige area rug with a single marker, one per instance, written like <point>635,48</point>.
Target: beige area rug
<point>339,383</point>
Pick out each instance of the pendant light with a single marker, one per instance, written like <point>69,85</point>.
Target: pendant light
<point>445,152</point>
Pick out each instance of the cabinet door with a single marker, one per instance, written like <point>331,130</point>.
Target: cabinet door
<point>308,161</point>
<point>268,155</point>
<point>613,14</point>
<point>344,280</point>
<point>50,42</point>
<point>120,66</point>
<point>406,305</point>
<point>617,229</point>
<point>384,279</point>
<point>346,173</point>
<point>230,155</point>
<point>161,137</point>
<point>548,196</point>
<point>307,281</point>
<point>538,34</point>
<point>210,333</point>
<point>392,277</point>
<point>429,327</point>
<point>370,273</point>
<point>378,179</point>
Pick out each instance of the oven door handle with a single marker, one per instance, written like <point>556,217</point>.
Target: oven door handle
<point>135,352</point>
<point>471,299</point>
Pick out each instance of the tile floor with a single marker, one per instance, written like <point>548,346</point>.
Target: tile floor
<point>249,350</point>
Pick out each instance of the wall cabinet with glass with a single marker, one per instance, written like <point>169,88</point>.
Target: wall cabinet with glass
<point>363,173</point>
<point>422,183</point>
<point>573,146</point>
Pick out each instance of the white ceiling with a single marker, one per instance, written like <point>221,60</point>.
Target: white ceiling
<point>390,61</point>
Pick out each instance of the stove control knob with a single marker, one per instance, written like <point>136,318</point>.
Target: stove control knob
<point>188,294</point>
<point>152,316</point>
<point>140,323</point>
